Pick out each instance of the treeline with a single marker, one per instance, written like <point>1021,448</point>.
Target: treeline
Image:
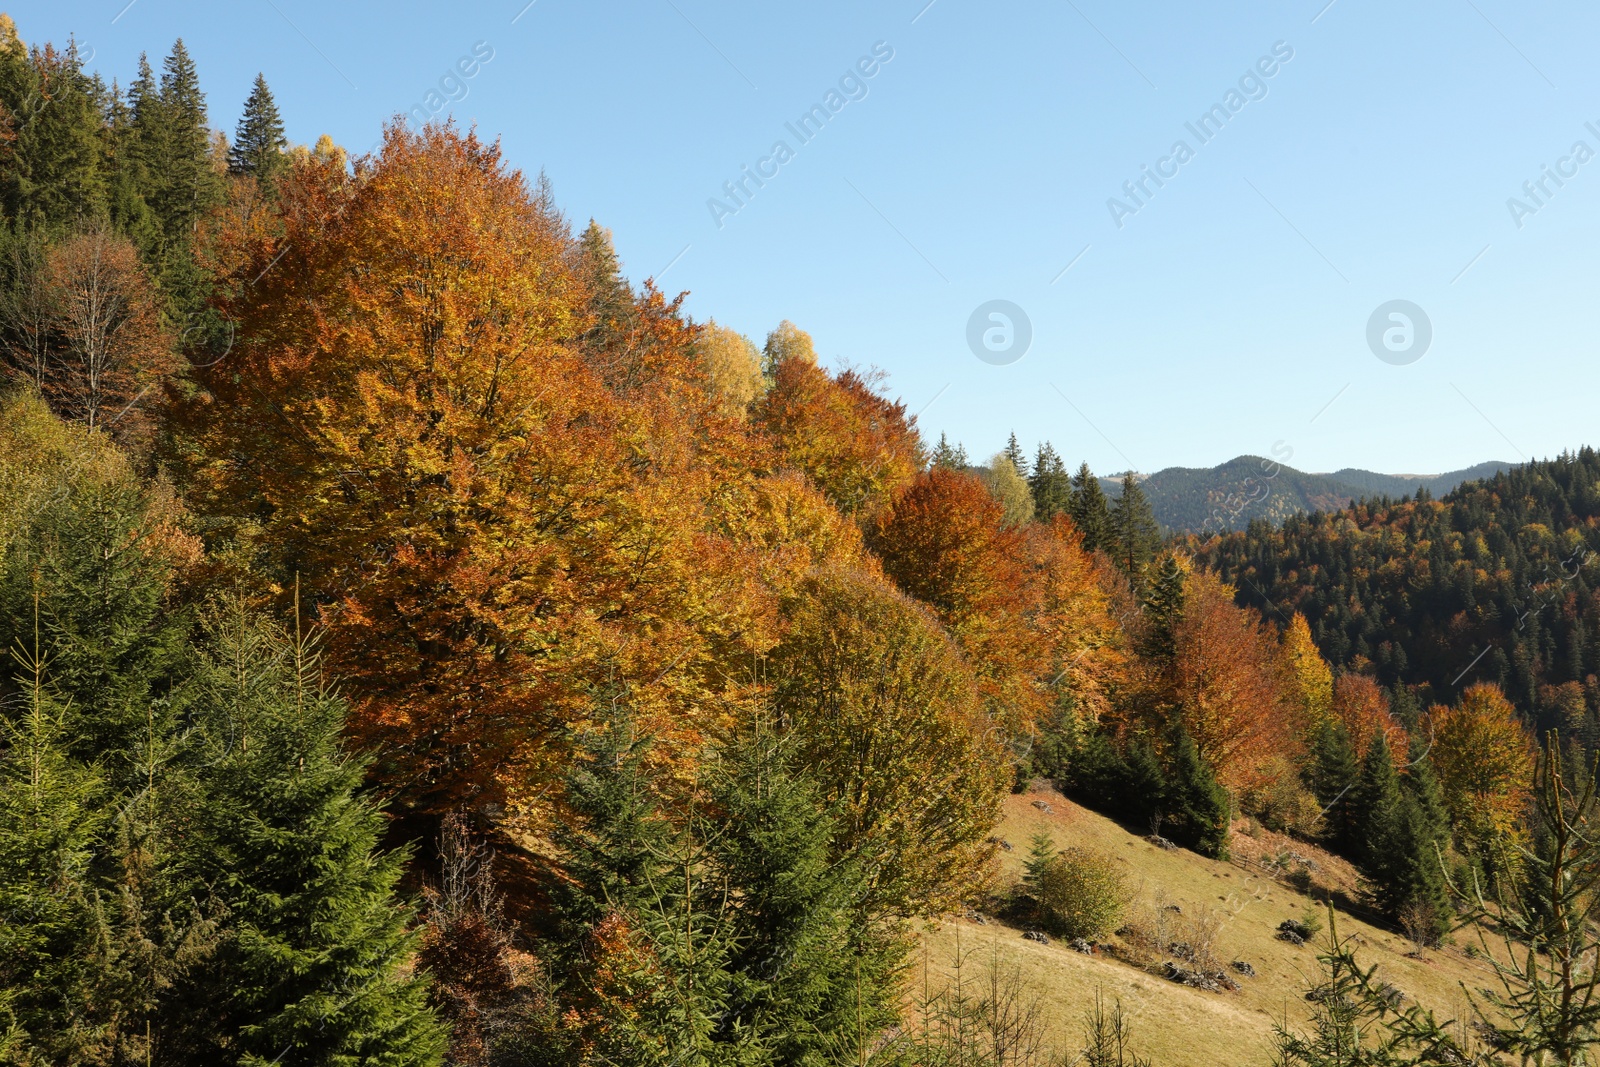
<point>675,676</point>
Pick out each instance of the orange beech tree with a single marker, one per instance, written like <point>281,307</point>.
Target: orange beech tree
<point>490,522</point>
<point>1362,707</point>
<point>943,542</point>
<point>854,445</point>
<point>1080,652</point>
<point>1027,604</point>
<point>1226,684</point>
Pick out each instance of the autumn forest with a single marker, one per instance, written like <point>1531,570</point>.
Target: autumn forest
<point>423,645</point>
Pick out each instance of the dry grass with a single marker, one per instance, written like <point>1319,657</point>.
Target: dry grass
<point>1233,910</point>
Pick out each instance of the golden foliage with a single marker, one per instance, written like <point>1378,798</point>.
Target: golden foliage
<point>485,527</point>
<point>1484,759</point>
<point>1308,680</point>
<point>854,445</point>
<point>1360,704</point>
<point>882,708</point>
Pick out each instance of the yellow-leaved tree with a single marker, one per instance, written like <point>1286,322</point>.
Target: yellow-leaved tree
<point>1484,758</point>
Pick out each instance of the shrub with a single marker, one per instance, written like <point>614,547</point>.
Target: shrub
<point>1286,807</point>
<point>1081,893</point>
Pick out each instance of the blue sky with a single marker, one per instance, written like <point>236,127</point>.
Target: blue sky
<point>1228,315</point>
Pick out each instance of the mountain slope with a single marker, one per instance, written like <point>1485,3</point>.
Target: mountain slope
<point>1498,580</point>
<point>1173,1024</point>
<point>1231,495</point>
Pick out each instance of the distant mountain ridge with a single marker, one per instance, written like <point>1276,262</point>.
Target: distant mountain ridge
<point>1231,495</point>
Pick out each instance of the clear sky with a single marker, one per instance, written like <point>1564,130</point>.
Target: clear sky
<point>1222,312</point>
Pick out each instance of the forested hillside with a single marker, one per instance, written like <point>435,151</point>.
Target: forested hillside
<point>420,644</point>
<point>1493,582</point>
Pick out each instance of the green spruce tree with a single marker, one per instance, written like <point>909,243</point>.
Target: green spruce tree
<point>811,973</point>
<point>1377,804</point>
<point>115,642</point>
<point>259,143</point>
<point>57,157</point>
<point>1163,610</point>
<point>634,873</point>
<point>1089,511</point>
<point>1195,804</point>
<point>1013,452</point>
<point>1050,484</point>
<point>183,180</point>
<point>1135,533</point>
<point>1333,773</point>
<point>313,964</point>
<point>53,814</point>
<point>947,456</point>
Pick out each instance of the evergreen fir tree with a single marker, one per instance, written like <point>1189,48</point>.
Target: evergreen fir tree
<point>636,888</point>
<point>1333,773</point>
<point>947,456</point>
<point>1089,511</point>
<point>1144,789</point>
<point>126,181</point>
<point>1042,850</point>
<point>810,972</point>
<point>1421,783</point>
<point>1347,1021</point>
<point>58,155</point>
<point>114,643</point>
<point>609,302</point>
<point>259,143</point>
<point>1377,802</point>
<point>1163,609</point>
<point>1408,874</point>
<point>1050,484</point>
<point>1013,452</point>
<point>313,963</point>
<point>174,149</point>
<point>1135,533</point>
<point>1195,802</point>
<point>52,814</point>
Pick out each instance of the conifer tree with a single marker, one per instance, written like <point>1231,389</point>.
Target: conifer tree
<point>1421,783</point>
<point>1134,530</point>
<point>1013,452</point>
<point>115,645</point>
<point>609,303</point>
<point>52,815</point>
<point>1163,608</point>
<point>1050,484</point>
<point>173,143</point>
<point>1333,774</point>
<point>313,961</point>
<point>259,143</point>
<point>810,972</point>
<point>1377,802</point>
<point>57,158</point>
<point>635,891</point>
<point>947,456</point>
<point>1041,850</point>
<point>126,179</point>
<point>1195,802</point>
<point>1089,511</point>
